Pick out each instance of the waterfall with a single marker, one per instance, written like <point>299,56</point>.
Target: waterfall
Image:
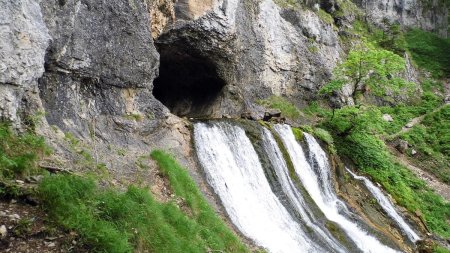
<point>387,206</point>
<point>233,169</point>
<point>317,181</point>
<point>295,197</point>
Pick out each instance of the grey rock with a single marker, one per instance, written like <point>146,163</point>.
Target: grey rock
<point>3,231</point>
<point>387,118</point>
<point>402,146</point>
<point>428,15</point>
<point>23,42</point>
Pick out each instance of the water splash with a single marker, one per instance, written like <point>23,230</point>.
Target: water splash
<point>387,206</point>
<point>234,171</point>
<point>317,181</point>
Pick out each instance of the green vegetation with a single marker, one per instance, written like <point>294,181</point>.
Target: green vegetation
<point>325,17</point>
<point>293,4</point>
<point>287,109</point>
<point>109,220</point>
<point>19,153</point>
<point>369,70</point>
<point>357,134</point>
<point>432,139</point>
<point>429,51</point>
<point>213,229</point>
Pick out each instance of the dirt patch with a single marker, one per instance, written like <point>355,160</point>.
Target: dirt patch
<point>28,232</point>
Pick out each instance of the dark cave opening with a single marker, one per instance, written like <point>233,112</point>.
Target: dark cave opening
<point>188,84</point>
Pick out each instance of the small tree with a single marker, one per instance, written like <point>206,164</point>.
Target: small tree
<point>369,70</point>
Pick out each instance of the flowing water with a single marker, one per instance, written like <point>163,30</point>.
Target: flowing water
<point>317,181</point>
<point>387,206</point>
<point>295,197</point>
<point>234,171</point>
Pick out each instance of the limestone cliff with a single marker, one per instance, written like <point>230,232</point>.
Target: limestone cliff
<point>113,73</point>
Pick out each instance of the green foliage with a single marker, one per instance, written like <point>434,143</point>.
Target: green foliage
<point>287,108</point>
<point>325,17</point>
<point>19,153</point>
<point>356,132</point>
<point>109,220</point>
<point>292,4</point>
<point>370,70</point>
<point>432,140</point>
<point>440,249</point>
<point>297,133</point>
<point>213,230</point>
<point>429,51</point>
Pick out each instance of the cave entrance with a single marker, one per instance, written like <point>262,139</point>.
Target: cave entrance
<point>188,84</point>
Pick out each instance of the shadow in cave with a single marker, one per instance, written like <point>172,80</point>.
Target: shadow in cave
<point>188,84</point>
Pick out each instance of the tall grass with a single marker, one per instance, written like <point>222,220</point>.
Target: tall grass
<point>429,51</point>
<point>19,153</point>
<point>109,220</point>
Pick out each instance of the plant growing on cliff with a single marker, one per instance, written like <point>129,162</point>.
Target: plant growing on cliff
<point>369,70</point>
<point>19,153</point>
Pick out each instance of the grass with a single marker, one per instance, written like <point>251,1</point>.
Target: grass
<point>429,51</point>
<point>19,153</point>
<point>287,109</point>
<point>363,145</point>
<point>325,17</point>
<point>110,220</point>
<point>214,231</point>
<point>432,140</point>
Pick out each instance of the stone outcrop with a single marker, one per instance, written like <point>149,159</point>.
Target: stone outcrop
<point>23,41</point>
<point>430,15</point>
<point>257,48</point>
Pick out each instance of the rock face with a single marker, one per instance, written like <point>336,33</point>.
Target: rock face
<point>257,49</point>
<point>92,67</point>
<point>101,62</point>
<point>23,41</point>
<point>430,15</point>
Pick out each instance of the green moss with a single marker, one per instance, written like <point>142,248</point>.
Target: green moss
<point>287,108</point>
<point>292,4</point>
<point>325,17</point>
<point>297,133</point>
<point>356,136</point>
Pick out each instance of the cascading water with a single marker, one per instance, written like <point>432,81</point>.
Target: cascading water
<point>295,197</point>
<point>387,206</point>
<point>234,171</point>
<point>317,181</point>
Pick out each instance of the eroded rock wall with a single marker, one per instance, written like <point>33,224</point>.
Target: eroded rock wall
<point>430,15</point>
<point>23,41</point>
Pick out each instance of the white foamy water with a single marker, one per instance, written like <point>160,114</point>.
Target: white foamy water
<point>233,169</point>
<point>318,183</point>
<point>295,197</point>
<point>387,206</point>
